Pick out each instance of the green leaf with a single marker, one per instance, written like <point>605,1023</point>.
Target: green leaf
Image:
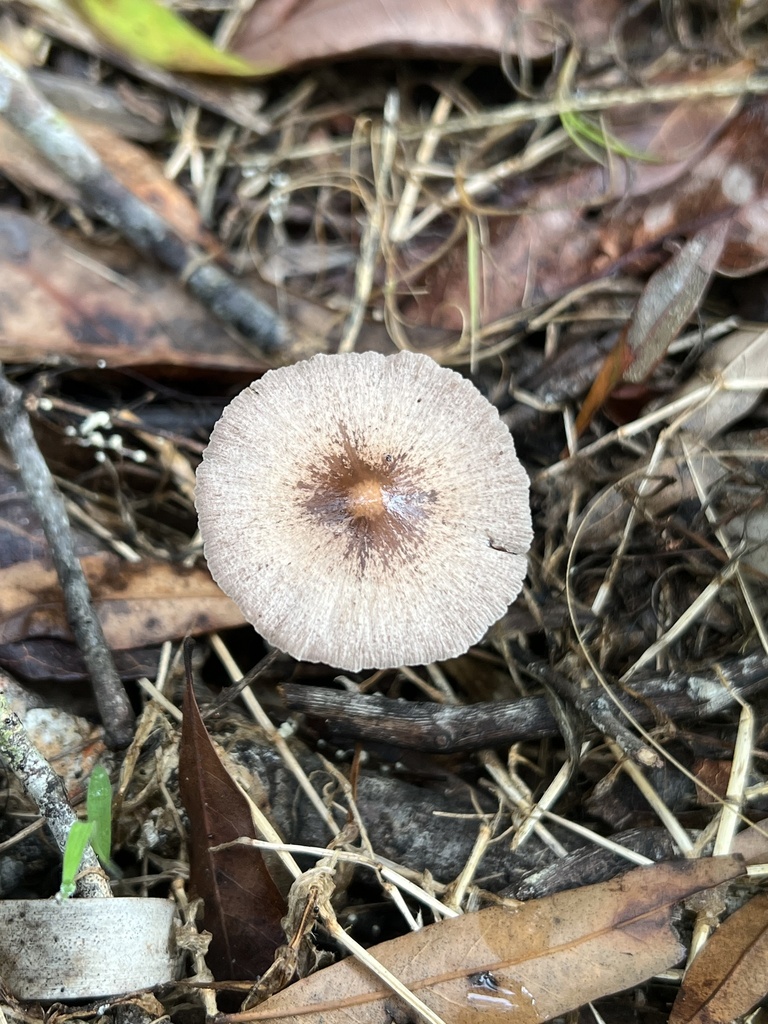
<point>77,840</point>
<point>147,31</point>
<point>99,804</point>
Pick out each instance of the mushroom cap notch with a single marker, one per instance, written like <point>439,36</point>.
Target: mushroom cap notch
<point>365,511</point>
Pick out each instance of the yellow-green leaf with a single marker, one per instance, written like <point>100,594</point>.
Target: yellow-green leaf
<point>147,31</point>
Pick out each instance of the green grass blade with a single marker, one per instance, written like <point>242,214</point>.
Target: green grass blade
<point>99,806</point>
<point>77,840</point>
<point>595,142</point>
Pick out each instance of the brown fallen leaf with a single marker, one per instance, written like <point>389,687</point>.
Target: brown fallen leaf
<point>138,604</point>
<point>312,30</point>
<point>556,242</point>
<point>526,964</point>
<point>752,843</point>
<point>243,907</point>
<point>738,362</point>
<point>733,175</point>
<point>131,165</point>
<point>22,164</point>
<point>61,298</point>
<point>730,974</point>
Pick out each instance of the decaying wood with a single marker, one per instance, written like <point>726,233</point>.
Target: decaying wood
<point>441,729</point>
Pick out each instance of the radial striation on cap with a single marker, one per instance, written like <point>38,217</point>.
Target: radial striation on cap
<point>365,511</point>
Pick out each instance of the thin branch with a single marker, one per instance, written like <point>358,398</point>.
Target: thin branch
<point>104,197</point>
<point>45,788</point>
<point>441,729</point>
<point>16,431</point>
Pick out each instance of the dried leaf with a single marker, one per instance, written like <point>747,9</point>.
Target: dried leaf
<point>668,301</point>
<point>24,166</point>
<point>134,167</point>
<point>536,961</point>
<point>729,975</point>
<point>130,164</point>
<point>670,298</point>
<point>138,604</point>
<point>554,245</point>
<point>328,29</point>
<point>243,906</point>
<point>45,658</point>
<point>146,30</point>
<point>752,844</point>
<point>60,298</point>
<point>733,176</point>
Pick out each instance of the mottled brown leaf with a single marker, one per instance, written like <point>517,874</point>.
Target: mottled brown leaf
<point>130,164</point>
<point>527,964</point>
<point>733,176</point>
<point>100,306</point>
<point>139,604</point>
<point>730,974</point>
<point>243,906</point>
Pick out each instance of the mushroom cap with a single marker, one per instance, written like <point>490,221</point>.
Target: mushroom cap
<point>365,511</point>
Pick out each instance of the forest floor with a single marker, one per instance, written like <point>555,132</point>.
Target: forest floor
<point>579,225</point>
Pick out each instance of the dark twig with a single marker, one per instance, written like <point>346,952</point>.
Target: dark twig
<point>588,696</point>
<point>442,729</point>
<point>16,430</point>
<point>104,197</point>
<point>233,692</point>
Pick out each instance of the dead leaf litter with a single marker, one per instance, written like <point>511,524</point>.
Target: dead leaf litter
<point>568,207</point>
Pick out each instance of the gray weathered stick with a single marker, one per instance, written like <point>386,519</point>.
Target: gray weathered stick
<point>43,785</point>
<point>16,430</point>
<point>104,197</point>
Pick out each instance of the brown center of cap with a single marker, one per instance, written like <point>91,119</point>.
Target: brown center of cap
<point>365,499</point>
<point>376,501</point>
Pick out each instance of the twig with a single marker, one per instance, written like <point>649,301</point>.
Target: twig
<point>104,197</point>
<point>43,785</point>
<point>441,729</point>
<point>16,430</point>
<point>587,696</point>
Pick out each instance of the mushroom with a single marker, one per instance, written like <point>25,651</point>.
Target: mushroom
<point>365,511</point>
